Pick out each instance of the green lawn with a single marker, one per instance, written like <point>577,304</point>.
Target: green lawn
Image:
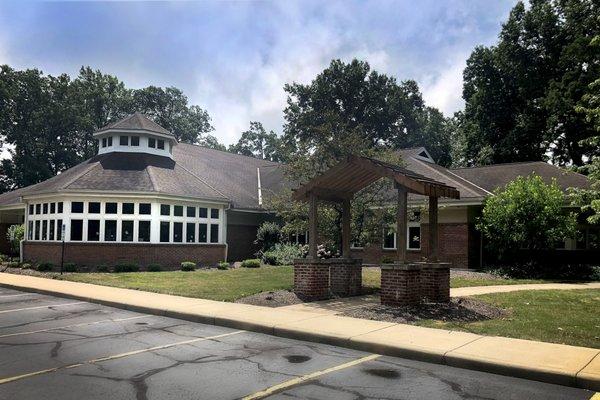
<point>559,316</point>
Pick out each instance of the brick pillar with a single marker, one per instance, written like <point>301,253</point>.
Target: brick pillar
<point>400,284</point>
<point>345,277</point>
<point>435,282</point>
<point>311,279</point>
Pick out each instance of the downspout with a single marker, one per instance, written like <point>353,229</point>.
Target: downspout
<point>260,202</point>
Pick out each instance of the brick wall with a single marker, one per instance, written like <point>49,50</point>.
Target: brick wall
<point>400,286</point>
<point>143,254</point>
<point>311,280</point>
<point>345,278</point>
<point>454,247</point>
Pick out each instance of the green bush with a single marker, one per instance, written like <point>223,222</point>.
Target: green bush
<point>268,235</point>
<point>26,266</point>
<point>45,266</point>
<point>188,266</point>
<point>102,268</point>
<point>13,264</point>
<point>154,268</point>
<point>387,260</point>
<point>251,263</point>
<point>15,234</point>
<point>70,267</point>
<point>283,254</point>
<point>126,267</point>
<point>3,257</point>
<point>223,265</point>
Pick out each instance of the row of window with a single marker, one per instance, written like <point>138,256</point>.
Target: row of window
<point>413,238</point>
<point>133,141</point>
<point>94,207</point>
<point>170,232</point>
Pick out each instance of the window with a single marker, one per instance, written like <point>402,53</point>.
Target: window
<point>191,212</point>
<point>60,207</point>
<point>178,211</point>
<point>110,208</point>
<point>110,231</point>
<point>76,229</point>
<point>93,233</point>
<point>94,207</point>
<point>160,144</point>
<point>38,209</point>
<point>145,208</point>
<point>127,231</point>
<point>152,142</point>
<point>31,209</point>
<point>165,209</point>
<point>202,212</point>
<point>144,231</point>
<point>37,230</point>
<point>414,237</point>
<point>214,233</point>
<point>135,140</point>
<point>164,232</point>
<point>202,233</point>
<point>190,232</point>
<point>44,230</point>
<point>124,140</point>
<point>59,229</point>
<point>77,207</point>
<point>52,226</point>
<point>30,230</point>
<point>52,208</point>
<point>389,240</point>
<point>177,232</point>
<point>103,142</point>
<point>45,208</point>
<point>128,208</point>
<point>109,141</point>
<point>214,213</point>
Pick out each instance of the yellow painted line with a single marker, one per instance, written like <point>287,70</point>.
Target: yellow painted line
<point>114,357</point>
<point>38,307</point>
<point>73,326</point>
<point>595,397</point>
<point>301,379</point>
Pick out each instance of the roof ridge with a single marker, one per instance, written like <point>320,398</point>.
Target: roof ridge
<point>427,165</point>
<point>271,163</point>
<point>202,180</point>
<point>506,163</point>
<point>84,172</point>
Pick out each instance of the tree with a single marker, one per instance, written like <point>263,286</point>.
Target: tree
<point>256,142</point>
<point>520,94</point>
<point>15,235</point>
<point>526,214</point>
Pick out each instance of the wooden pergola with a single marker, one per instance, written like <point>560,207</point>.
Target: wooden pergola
<point>341,182</point>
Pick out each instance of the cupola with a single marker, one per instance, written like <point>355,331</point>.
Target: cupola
<point>135,133</point>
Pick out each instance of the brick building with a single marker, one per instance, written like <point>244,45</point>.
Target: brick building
<point>147,198</point>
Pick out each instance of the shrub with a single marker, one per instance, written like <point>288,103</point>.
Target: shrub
<point>102,268</point>
<point>268,235</point>
<point>45,266</point>
<point>223,265</point>
<point>13,264</point>
<point>3,257</point>
<point>15,234</point>
<point>283,254</point>
<point>251,263</point>
<point>26,266</point>
<point>127,267</point>
<point>387,260</point>
<point>70,267</point>
<point>154,268</point>
<point>188,266</point>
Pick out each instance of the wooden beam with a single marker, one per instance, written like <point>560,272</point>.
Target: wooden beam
<point>312,227</point>
<point>433,228</point>
<point>401,222</point>
<point>346,228</point>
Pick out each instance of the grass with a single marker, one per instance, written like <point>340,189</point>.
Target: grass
<point>215,284</point>
<point>558,316</point>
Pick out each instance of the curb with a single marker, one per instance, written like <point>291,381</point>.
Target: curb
<point>586,381</point>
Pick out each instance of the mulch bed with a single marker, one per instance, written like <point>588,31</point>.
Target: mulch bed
<point>278,298</point>
<point>461,309</point>
<point>31,272</point>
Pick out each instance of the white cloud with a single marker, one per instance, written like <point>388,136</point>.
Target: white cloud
<point>444,90</point>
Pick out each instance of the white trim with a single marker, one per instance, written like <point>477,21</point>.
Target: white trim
<point>259,188</point>
<point>124,132</point>
<point>120,195</point>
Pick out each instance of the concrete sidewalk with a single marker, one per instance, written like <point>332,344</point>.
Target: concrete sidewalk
<point>547,362</point>
<point>476,290</point>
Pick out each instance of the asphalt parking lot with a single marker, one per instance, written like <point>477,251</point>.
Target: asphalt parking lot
<point>56,348</point>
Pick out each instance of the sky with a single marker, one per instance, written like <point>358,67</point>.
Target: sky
<point>233,58</point>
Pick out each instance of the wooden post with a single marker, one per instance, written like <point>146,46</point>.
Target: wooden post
<point>346,228</point>
<point>433,228</point>
<point>312,227</point>
<point>401,222</point>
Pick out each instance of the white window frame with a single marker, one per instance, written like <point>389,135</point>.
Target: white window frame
<point>408,225</point>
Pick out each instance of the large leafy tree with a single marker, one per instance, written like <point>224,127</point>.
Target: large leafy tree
<point>47,122</point>
<point>521,93</point>
<point>257,142</point>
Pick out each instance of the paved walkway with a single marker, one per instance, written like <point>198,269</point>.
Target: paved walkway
<point>547,362</point>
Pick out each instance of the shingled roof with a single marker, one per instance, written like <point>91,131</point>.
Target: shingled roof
<point>135,122</point>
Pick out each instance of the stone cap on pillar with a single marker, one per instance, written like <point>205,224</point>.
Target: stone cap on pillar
<point>354,261</point>
<point>434,264</point>
<point>407,266</point>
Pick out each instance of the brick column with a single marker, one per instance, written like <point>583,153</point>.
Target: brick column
<point>435,282</point>
<point>345,277</point>
<point>311,279</point>
<point>400,284</point>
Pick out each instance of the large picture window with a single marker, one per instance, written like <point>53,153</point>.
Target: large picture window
<point>93,233</point>
<point>190,232</point>
<point>76,229</point>
<point>127,231</point>
<point>110,231</point>
<point>214,233</point>
<point>177,232</point>
<point>144,231</point>
<point>165,234</point>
